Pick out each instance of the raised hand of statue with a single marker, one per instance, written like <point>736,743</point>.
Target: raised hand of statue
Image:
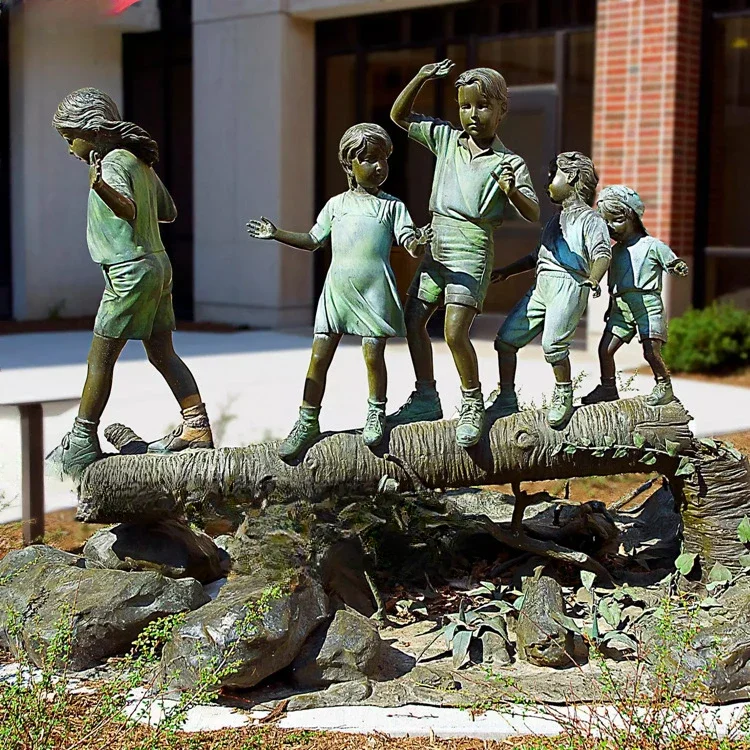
<point>505,177</point>
<point>679,268</point>
<point>261,229</point>
<point>436,70</point>
<point>95,173</point>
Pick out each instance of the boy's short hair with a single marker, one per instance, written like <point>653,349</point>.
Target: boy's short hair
<point>356,139</point>
<point>574,162</point>
<point>621,200</point>
<point>490,83</point>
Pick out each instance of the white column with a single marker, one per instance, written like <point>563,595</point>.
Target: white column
<point>253,93</point>
<point>52,270</point>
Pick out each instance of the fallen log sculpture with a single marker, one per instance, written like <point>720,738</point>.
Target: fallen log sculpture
<point>709,481</point>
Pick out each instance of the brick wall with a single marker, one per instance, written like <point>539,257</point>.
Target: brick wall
<point>646,110</point>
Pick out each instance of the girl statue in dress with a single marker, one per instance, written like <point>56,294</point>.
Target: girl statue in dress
<point>359,294</point>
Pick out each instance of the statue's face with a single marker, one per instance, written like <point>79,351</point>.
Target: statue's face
<point>370,169</point>
<point>480,116</point>
<point>621,224</point>
<point>559,184</point>
<point>79,148</point>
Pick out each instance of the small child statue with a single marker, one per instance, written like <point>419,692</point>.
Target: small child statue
<point>126,202</point>
<point>359,294</point>
<point>635,284</point>
<point>570,260</point>
<point>476,180</point>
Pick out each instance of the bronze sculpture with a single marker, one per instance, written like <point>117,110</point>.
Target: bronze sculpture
<point>127,200</point>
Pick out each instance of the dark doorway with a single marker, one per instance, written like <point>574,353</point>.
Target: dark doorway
<point>6,299</point>
<point>158,95</point>
<point>546,52</point>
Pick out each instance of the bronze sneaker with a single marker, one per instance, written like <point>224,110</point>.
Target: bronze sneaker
<point>194,432</point>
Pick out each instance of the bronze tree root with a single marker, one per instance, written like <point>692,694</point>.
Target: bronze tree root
<point>421,456</point>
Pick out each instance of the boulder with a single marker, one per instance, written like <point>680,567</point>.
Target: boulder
<point>255,626</point>
<point>167,547</point>
<point>347,650</point>
<point>43,589</point>
<point>540,638</point>
<point>706,650</point>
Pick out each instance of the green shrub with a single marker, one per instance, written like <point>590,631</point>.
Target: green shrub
<point>715,338</point>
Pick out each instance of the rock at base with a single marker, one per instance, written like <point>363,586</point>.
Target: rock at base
<point>540,638</point>
<point>256,627</point>
<point>348,650</point>
<point>43,589</point>
<point>167,547</point>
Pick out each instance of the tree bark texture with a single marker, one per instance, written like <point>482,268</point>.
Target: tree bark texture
<point>424,456</point>
<point>714,501</point>
<point>419,456</point>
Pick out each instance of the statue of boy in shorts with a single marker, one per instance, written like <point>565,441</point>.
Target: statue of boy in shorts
<point>571,259</point>
<point>476,177</point>
<point>635,284</point>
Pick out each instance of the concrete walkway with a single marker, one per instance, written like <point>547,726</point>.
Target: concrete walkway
<point>252,381</point>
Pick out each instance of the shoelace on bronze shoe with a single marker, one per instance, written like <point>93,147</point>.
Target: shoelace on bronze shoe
<point>374,420</point>
<point>558,398</point>
<point>470,409</point>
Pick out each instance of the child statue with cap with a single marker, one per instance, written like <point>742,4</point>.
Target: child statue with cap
<point>635,286</point>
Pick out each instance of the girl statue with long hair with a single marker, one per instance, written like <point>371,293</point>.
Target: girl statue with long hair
<point>126,202</point>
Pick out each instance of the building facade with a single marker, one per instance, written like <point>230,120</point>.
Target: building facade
<point>248,99</point>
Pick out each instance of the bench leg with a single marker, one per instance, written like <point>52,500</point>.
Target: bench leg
<point>32,474</point>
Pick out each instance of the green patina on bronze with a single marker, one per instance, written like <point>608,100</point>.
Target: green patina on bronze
<point>126,203</point>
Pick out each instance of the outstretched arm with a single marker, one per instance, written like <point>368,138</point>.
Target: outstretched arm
<point>401,112</point>
<point>121,205</point>
<point>527,263</point>
<point>598,269</point>
<point>263,229</point>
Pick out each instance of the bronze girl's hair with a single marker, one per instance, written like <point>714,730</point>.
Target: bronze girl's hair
<point>574,162</point>
<point>355,141</point>
<point>92,115</point>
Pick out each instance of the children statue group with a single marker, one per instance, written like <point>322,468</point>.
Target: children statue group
<point>477,180</point>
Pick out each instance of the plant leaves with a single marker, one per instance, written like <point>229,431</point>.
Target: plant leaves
<point>686,467</point>
<point>744,561</point>
<point>624,639</point>
<point>743,530</point>
<point>567,622</point>
<point>611,611</point>
<point>571,449</point>
<point>708,442</point>
<point>497,624</point>
<point>638,440</point>
<point>461,643</point>
<point>609,441</point>
<point>720,573</point>
<point>599,452</point>
<point>648,458</point>
<point>518,603</point>
<point>672,447</point>
<point>587,579</point>
<point>449,632</point>
<point>621,452</point>
<point>686,562</point>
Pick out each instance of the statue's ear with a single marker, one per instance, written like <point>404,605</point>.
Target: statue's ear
<point>572,177</point>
